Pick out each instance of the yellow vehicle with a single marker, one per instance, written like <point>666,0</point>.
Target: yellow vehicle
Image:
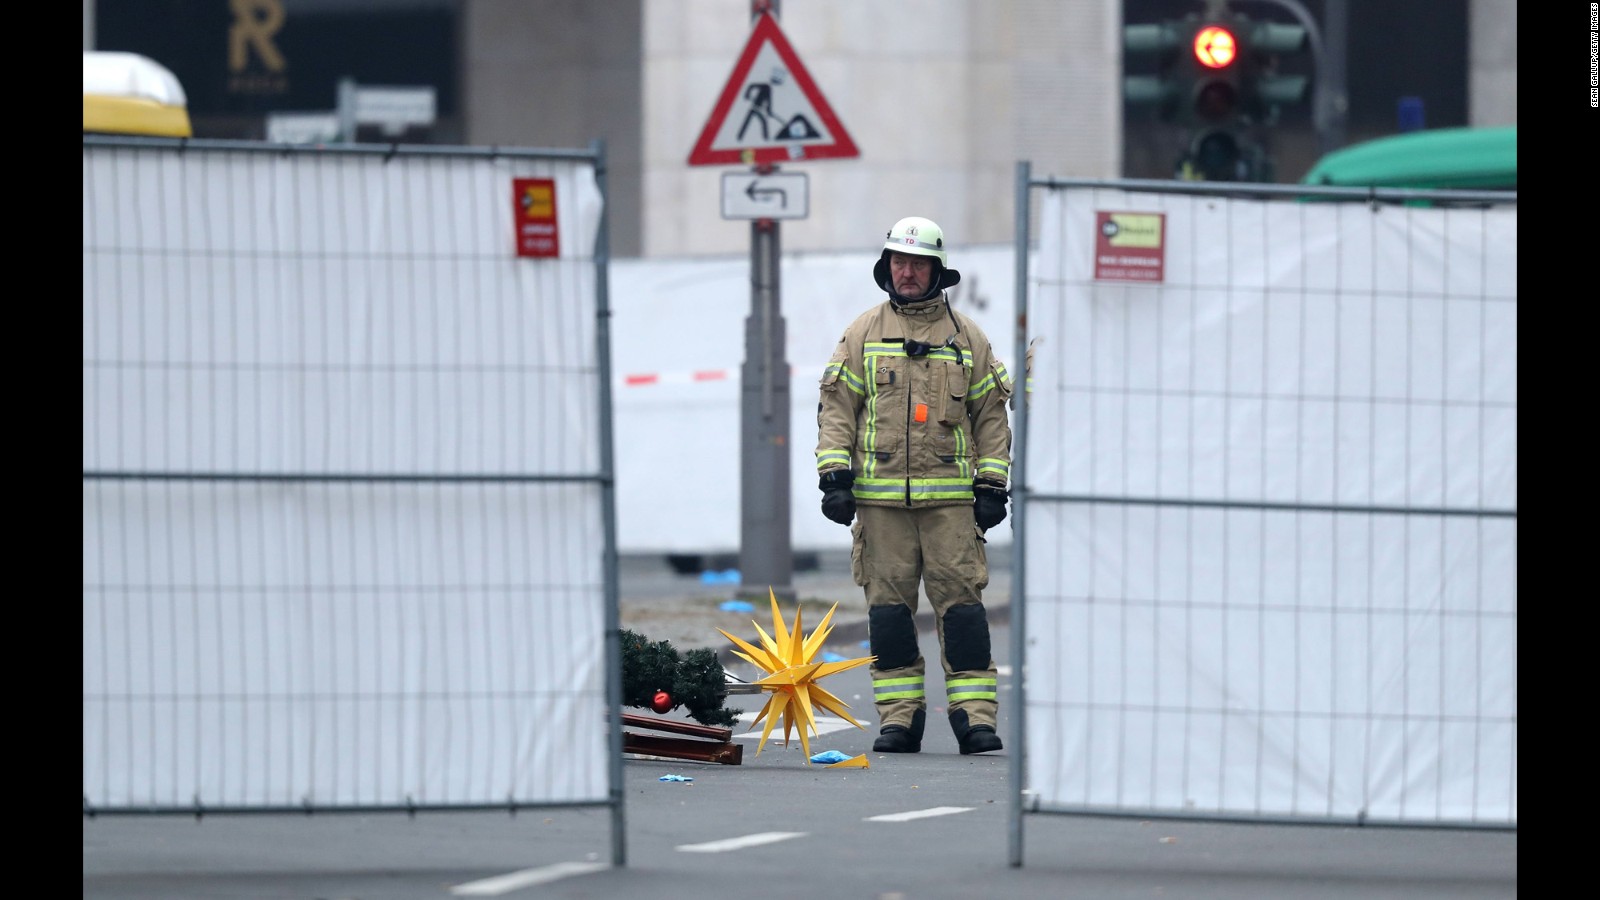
<point>126,93</point>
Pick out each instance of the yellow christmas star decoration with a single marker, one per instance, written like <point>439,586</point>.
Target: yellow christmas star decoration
<point>792,676</point>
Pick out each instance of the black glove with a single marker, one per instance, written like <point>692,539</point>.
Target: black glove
<point>988,504</point>
<point>838,503</point>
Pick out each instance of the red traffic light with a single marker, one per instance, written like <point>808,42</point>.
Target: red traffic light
<point>1215,47</point>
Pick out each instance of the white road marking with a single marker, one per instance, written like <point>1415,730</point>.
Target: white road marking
<point>739,843</point>
<point>825,725</point>
<point>503,884</point>
<point>919,814</point>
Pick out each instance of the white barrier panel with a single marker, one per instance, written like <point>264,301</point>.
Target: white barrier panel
<point>679,335</point>
<point>1271,567</point>
<point>342,524</point>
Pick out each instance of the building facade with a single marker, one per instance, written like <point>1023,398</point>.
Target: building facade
<point>942,98</point>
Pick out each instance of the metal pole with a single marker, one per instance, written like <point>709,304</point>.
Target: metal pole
<point>1019,509</point>
<point>608,507</point>
<point>347,110</point>
<point>1338,16</point>
<point>766,557</point>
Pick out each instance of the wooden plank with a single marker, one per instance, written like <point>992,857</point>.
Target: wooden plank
<point>681,748</point>
<point>676,726</point>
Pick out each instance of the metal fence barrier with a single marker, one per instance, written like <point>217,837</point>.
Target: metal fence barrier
<point>348,524</point>
<point>1265,504</point>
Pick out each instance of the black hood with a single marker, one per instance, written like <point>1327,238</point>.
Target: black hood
<point>943,279</point>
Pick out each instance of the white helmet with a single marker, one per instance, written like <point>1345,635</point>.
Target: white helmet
<point>918,237</point>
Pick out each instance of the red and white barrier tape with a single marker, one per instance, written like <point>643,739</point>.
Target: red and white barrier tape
<point>642,379</point>
<point>697,376</point>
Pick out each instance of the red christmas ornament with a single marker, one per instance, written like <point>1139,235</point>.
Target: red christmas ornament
<point>661,702</point>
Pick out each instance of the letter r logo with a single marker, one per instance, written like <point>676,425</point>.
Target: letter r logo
<point>254,24</point>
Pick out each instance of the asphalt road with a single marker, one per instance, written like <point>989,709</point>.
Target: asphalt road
<point>929,825</point>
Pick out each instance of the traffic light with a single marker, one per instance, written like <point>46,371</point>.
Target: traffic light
<point>1266,90</point>
<point>1223,154</point>
<point>1197,71</point>
<point>1214,99</point>
<point>1216,77</point>
<point>1163,90</point>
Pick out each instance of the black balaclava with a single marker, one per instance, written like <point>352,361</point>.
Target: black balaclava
<point>943,279</point>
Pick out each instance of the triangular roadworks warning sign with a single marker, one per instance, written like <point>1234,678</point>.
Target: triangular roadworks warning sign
<point>771,110</point>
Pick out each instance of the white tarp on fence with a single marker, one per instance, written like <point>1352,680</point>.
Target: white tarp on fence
<point>1271,566</point>
<point>288,602</point>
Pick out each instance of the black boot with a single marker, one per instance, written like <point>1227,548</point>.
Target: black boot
<point>980,739</point>
<point>973,738</point>
<point>899,738</point>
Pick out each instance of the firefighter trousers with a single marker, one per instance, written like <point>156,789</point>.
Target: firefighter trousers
<point>939,548</point>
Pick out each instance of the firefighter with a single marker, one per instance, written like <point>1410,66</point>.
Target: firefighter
<point>914,454</point>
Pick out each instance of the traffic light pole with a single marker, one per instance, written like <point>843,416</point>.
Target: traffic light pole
<point>766,558</point>
<point>1336,99</point>
<point>766,555</point>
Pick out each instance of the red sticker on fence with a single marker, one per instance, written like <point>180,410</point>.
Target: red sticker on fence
<point>1129,246</point>
<point>535,210</point>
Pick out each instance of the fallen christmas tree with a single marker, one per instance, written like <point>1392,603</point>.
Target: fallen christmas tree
<point>656,677</point>
<point>698,682</point>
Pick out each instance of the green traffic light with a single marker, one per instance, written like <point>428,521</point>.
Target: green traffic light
<point>1266,45</point>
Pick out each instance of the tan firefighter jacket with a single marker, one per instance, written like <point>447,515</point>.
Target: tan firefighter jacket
<point>915,429</point>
